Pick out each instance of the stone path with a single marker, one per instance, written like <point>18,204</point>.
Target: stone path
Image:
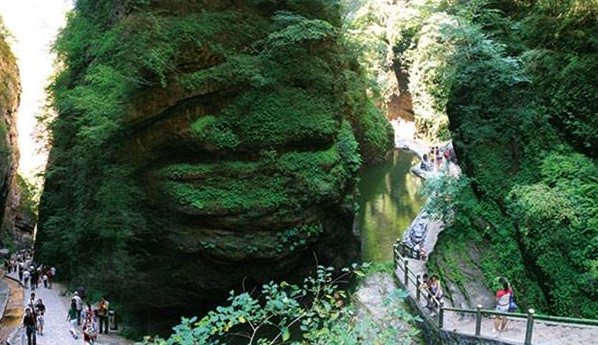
<point>56,327</point>
<point>544,332</point>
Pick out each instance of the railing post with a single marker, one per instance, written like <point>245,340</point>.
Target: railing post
<point>417,284</point>
<point>529,327</point>
<point>406,273</point>
<point>394,255</point>
<point>440,316</point>
<point>478,320</point>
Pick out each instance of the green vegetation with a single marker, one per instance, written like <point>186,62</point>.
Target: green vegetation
<point>514,79</point>
<point>298,236</point>
<point>172,119</point>
<point>9,88</point>
<point>9,100</point>
<point>315,312</point>
<point>556,221</point>
<point>175,120</point>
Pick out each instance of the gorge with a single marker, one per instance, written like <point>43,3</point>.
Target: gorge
<point>204,146</point>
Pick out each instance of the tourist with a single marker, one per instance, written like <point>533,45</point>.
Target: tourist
<point>34,278</point>
<point>425,165</point>
<point>425,286</point>
<point>89,331</point>
<point>71,317</point>
<point>103,307</point>
<point>26,276</point>
<point>88,313</point>
<point>32,302</point>
<point>419,252</point>
<point>512,304</point>
<point>436,293</point>
<point>51,275</point>
<point>40,309</point>
<point>45,280</point>
<point>79,304</point>
<point>447,155</point>
<point>503,297</point>
<point>81,291</point>
<point>30,324</point>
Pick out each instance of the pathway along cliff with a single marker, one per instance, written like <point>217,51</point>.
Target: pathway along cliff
<point>456,326</point>
<point>56,328</point>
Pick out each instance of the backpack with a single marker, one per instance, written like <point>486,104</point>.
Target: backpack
<point>102,309</point>
<point>512,302</point>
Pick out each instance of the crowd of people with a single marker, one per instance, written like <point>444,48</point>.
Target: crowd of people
<point>91,320</point>
<point>433,159</point>
<point>84,319</point>
<point>32,276</point>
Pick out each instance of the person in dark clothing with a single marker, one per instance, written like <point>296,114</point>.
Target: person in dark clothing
<point>30,324</point>
<point>34,279</point>
<point>40,309</point>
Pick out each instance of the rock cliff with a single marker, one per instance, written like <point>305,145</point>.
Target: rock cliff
<point>10,90</point>
<point>203,146</point>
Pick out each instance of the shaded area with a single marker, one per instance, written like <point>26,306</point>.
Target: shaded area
<point>388,201</point>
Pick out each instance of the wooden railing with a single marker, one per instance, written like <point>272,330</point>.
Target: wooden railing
<point>410,279</point>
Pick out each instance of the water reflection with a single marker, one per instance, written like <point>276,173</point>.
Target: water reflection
<point>388,201</point>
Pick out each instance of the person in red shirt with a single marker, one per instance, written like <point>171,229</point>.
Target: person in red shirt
<point>503,297</point>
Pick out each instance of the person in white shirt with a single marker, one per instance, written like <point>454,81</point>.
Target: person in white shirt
<point>79,304</point>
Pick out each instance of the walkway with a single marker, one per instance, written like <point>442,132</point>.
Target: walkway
<point>544,332</point>
<point>56,327</point>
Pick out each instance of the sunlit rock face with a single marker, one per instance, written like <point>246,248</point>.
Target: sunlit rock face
<point>230,159</point>
<point>10,90</point>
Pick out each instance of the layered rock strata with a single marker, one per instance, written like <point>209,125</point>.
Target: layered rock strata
<point>206,146</point>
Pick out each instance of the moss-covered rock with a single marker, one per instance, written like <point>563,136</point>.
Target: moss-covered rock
<point>202,147</point>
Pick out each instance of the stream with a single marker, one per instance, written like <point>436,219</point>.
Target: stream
<point>388,201</point>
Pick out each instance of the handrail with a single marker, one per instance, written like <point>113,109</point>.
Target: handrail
<point>404,248</point>
<point>403,264</point>
<point>568,320</point>
<point>409,275</point>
